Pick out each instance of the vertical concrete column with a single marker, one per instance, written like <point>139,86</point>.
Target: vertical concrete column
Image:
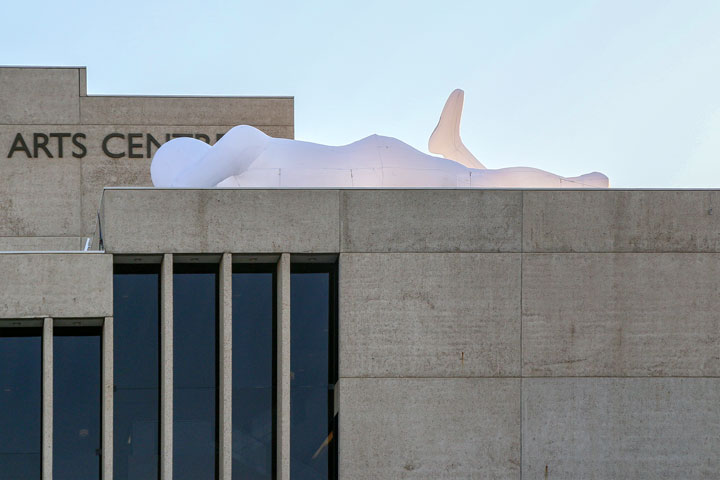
<point>225,380</point>
<point>283,368</point>
<point>107,399</point>
<point>47,399</point>
<point>166,367</point>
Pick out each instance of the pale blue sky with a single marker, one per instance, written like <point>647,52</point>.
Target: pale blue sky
<point>629,88</point>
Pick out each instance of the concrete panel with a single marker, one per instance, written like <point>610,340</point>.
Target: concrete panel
<point>187,110</point>
<point>98,174</point>
<point>601,428</point>
<point>55,285</point>
<point>621,314</point>
<point>47,244</point>
<point>224,220</point>
<point>39,198</point>
<point>621,221</point>
<point>282,458</point>
<point>225,368</point>
<point>429,315</point>
<point>166,366</point>
<point>431,221</point>
<point>47,399</point>
<point>429,428</point>
<point>108,395</point>
<point>39,95</point>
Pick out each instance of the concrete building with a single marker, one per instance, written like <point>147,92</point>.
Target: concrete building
<point>337,333</point>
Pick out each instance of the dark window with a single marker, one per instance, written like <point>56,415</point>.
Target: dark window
<point>136,369</point>
<point>253,360</point>
<point>313,361</point>
<point>76,403</point>
<point>195,371</point>
<point>20,403</point>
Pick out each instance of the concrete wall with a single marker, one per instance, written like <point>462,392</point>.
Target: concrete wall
<point>55,195</point>
<point>59,285</point>
<point>493,334</point>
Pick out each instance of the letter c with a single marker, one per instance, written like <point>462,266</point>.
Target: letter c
<point>105,145</point>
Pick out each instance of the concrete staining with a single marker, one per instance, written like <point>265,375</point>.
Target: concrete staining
<point>492,333</point>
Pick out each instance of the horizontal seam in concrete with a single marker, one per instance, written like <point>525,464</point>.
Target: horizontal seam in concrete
<point>658,252</point>
<point>528,377</point>
<point>434,252</point>
<point>219,97</point>
<point>143,124</point>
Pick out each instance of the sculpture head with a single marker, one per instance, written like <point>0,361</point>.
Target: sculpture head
<point>187,162</point>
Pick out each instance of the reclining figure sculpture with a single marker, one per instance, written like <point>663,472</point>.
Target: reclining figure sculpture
<point>246,157</point>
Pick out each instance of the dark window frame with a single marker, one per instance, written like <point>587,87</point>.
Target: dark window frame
<point>7,331</point>
<point>333,353</point>
<point>271,268</point>
<point>145,269</point>
<point>83,331</point>
<point>203,267</point>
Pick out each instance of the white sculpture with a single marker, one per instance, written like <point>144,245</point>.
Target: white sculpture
<point>246,157</point>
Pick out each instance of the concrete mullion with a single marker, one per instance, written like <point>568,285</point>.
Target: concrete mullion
<point>166,366</point>
<point>47,399</point>
<point>225,380</point>
<point>283,368</point>
<point>107,399</point>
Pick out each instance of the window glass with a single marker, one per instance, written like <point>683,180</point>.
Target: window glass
<point>253,405</point>
<point>76,403</point>
<point>312,365</point>
<point>20,403</point>
<point>195,371</point>
<point>136,371</point>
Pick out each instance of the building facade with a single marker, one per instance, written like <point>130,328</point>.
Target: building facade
<point>341,333</point>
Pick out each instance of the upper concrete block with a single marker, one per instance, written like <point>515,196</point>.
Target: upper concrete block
<point>624,314</point>
<point>429,315</point>
<point>56,285</point>
<point>187,110</point>
<point>220,220</point>
<point>39,95</point>
<point>602,428</point>
<point>431,221</point>
<point>98,174</point>
<point>429,428</point>
<point>39,198</point>
<point>44,244</point>
<point>621,221</point>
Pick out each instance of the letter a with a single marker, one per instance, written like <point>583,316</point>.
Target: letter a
<point>19,145</point>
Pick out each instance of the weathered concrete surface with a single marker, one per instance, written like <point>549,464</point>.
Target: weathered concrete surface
<point>187,110</point>
<point>39,199</point>
<point>431,221</point>
<point>39,95</point>
<point>603,428</point>
<point>166,366</point>
<point>47,399</point>
<point>429,428</point>
<point>55,285</point>
<point>220,220</point>
<point>224,426</point>
<point>98,174</point>
<point>429,315</point>
<point>284,374</point>
<point>52,244</point>
<point>621,314</point>
<point>621,221</point>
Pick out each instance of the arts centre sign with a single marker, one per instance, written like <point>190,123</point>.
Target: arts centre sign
<point>76,144</point>
<point>59,146</point>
